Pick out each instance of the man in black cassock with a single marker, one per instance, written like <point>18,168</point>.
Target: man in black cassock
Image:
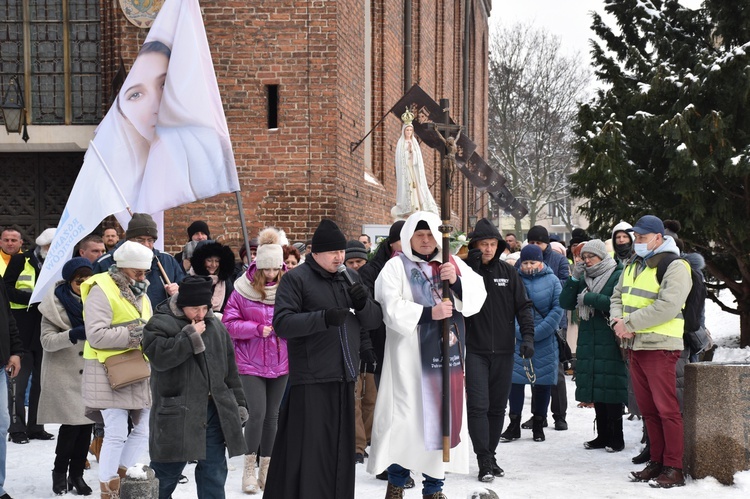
<point>322,316</point>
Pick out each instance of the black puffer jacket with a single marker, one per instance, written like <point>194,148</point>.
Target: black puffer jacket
<point>319,353</point>
<point>369,273</point>
<point>492,330</point>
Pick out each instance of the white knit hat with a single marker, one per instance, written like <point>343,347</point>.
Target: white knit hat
<point>269,254</point>
<point>132,255</point>
<point>46,236</point>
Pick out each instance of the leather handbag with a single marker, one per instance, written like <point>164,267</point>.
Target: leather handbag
<point>126,368</point>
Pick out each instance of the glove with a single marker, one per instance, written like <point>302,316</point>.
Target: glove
<point>474,258</point>
<point>368,357</point>
<point>244,416</point>
<point>578,269</point>
<point>359,296</point>
<point>527,349</point>
<point>336,316</point>
<point>77,333</point>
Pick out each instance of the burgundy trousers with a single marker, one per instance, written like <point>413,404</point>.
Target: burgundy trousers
<point>654,384</point>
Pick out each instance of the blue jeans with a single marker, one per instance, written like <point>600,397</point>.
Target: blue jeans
<point>4,425</point>
<point>398,475</point>
<point>210,473</point>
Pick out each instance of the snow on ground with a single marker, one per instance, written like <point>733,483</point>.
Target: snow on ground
<point>558,467</point>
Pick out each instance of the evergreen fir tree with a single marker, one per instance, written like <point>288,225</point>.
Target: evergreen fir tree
<point>670,133</point>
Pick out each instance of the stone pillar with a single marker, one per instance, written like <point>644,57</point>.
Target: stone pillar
<point>717,420</point>
<point>141,484</point>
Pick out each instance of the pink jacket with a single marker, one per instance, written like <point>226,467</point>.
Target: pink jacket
<point>256,355</point>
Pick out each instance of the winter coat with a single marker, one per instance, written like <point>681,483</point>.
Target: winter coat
<point>156,292</point>
<point>187,369</point>
<point>492,329</point>
<point>674,288</point>
<point>225,272</point>
<point>544,290</point>
<point>560,267</point>
<point>28,319</point>
<point>10,341</point>
<point>245,319</point>
<point>601,372</point>
<point>101,334</point>
<point>319,353</point>
<point>398,427</point>
<point>62,367</point>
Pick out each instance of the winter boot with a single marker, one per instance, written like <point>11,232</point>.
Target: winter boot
<point>668,478</point>
<point>616,439</point>
<point>560,423</point>
<point>111,489</point>
<point>393,492</point>
<point>485,469</point>
<point>249,482</point>
<point>513,431</point>
<point>529,423</point>
<point>77,483</point>
<point>651,471</point>
<point>59,483</point>
<point>96,447</point>
<point>601,441</point>
<point>537,428</point>
<point>497,470</point>
<point>435,495</point>
<point>645,454</point>
<point>265,461</point>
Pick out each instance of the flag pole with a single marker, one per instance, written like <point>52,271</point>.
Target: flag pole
<point>238,196</point>
<point>111,177</point>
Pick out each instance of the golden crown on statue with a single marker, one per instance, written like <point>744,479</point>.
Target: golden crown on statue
<point>407,117</point>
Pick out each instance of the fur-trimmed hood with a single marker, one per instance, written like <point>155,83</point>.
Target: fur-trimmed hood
<point>226,259</point>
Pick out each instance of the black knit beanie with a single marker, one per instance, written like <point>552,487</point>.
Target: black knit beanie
<point>539,234</point>
<point>198,226</point>
<point>328,237</point>
<point>195,290</point>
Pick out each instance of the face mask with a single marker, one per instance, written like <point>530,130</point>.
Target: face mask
<point>532,271</point>
<point>641,249</point>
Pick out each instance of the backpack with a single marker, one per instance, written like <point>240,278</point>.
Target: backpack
<point>695,302</point>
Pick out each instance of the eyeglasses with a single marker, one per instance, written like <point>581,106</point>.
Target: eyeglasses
<point>139,273</point>
<point>144,240</point>
<point>587,258</point>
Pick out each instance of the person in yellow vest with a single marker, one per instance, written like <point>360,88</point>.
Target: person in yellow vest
<point>10,244</point>
<point>20,278</point>
<point>647,317</point>
<point>116,308</point>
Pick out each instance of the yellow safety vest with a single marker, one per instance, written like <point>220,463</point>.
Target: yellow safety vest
<point>123,312</point>
<point>641,292</point>
<point>26,280</point>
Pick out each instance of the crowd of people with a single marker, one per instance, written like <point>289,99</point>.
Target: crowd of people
<point>310,358</point>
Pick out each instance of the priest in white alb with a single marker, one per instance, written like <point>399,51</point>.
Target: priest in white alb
<point>406,433</point>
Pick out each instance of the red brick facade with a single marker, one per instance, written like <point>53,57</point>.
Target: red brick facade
<point>314,50</point>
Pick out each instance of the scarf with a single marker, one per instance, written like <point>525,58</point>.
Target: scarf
<point>220,291</point>
<point>244,287</point>
<point>71,302</point>
<point>595,277</point>
<point>126,289</point>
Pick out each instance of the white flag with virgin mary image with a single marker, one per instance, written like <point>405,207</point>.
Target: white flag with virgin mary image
<point>163,143</point>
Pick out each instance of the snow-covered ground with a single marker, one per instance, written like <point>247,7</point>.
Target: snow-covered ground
<point>558,467</point>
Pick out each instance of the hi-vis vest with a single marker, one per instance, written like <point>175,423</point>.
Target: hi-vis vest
<point>26,280</point>
<point>640,293</point>
<point>123,313</point>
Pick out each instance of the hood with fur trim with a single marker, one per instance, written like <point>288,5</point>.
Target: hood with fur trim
<point>205,250</point>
